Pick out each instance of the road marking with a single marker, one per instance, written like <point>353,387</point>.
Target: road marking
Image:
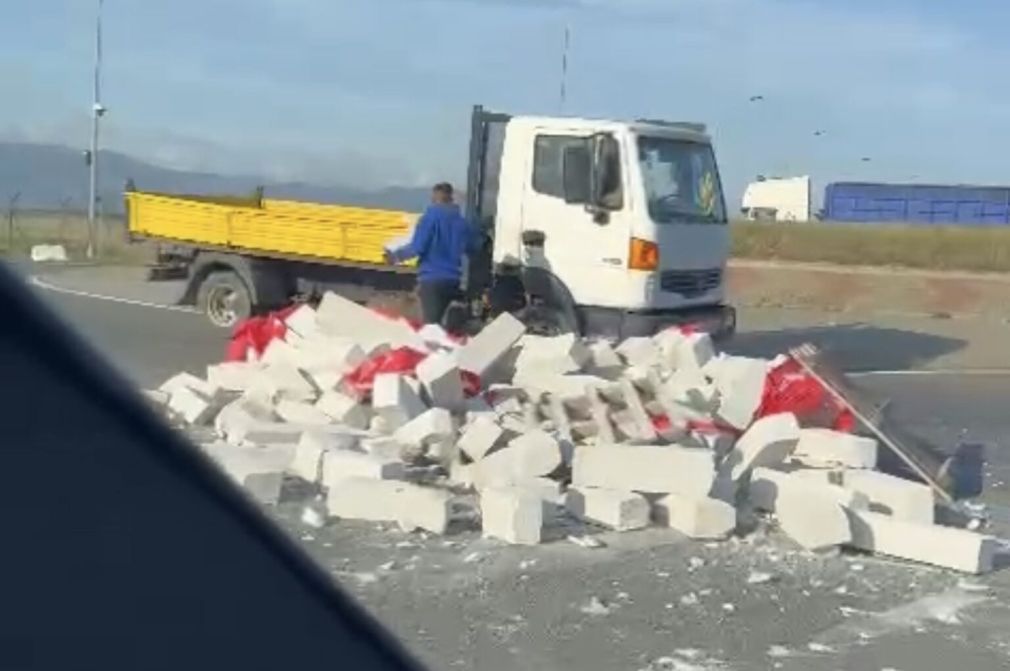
<point>42,284</point>
<point>966,372</point>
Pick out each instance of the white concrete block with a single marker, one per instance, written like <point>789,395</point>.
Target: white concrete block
<point>639,351</point>
<point>339,465</point>
<point>604,361</point>
<point>48,253</point>
<point>441,379</point>
<point>479,437</point>
<point>394,400</point>
<point>611,508</point>
<point>890,495</point>
<point>826,448</point>
<point>555,354</point>
<point>233,375</point>
<point>302,321</point>
<point>461,474</point>
<point>296,412</point>
<point>279,351</point>
<point>741,383</point>
<point>680,351</point>
<point>194,407</point>
<point>811,514</point>
<point>430,427</point>
<point>486,349</point>
<point>385,447</point>
<point>766,483</point>
<point>698,517</point>
<point>240,413</point>
<point>188,381</point>
<point>258,470</point>
<point>344,409</point>
<point>644,468</point>
<point>325,379</point>
<point>506,399</point>
<point>326,353</point>
<point>410,505</point>
<point>547,489</point>
<point>947,547</point>
<point>530,455</point>
<point>284,381</point>
<point>338,316</point>
<point>156,397</point>
<point>512,515</point>
<point>644,430</point>
<point>308,459</point>
<point>768,442</point>
<point>688,386</point>
<point>571,389</point>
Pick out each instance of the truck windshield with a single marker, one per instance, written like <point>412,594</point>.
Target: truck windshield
<point>681,181</point>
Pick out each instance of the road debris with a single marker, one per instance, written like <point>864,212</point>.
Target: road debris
<point>543,434</point>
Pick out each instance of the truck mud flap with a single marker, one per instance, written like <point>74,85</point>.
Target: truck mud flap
<point>923,459</point>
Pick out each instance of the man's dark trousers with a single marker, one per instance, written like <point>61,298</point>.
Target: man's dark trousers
<point>435,297</point>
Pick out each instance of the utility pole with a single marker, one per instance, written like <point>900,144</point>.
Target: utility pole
<point>97,111</point>
<point>564,67</point>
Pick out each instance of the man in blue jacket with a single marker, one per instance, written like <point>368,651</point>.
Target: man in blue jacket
<point>440,240</point>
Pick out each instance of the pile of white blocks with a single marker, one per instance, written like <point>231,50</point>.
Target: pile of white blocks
<point>657,431</point>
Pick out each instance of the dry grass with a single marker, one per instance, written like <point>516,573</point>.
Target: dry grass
<point>935,248</point>
<point>71,231</point>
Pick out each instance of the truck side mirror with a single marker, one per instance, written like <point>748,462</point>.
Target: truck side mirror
<point>577,174</point>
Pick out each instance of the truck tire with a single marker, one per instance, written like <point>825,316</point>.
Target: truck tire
<point>544,320</point>
<point>224,298</point>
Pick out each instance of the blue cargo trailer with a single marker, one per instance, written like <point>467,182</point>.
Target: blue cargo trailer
<point>917,204</point>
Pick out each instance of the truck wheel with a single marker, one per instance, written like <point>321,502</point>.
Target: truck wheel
<point>225,299</point>
<point>542,320</point>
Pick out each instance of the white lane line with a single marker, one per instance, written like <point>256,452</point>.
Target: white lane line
<point>965,372</point>
<point>42,284</point>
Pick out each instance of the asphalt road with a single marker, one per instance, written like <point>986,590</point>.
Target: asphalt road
<point>649,600</point>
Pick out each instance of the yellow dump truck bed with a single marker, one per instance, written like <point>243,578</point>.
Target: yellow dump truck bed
<point>280,228</point>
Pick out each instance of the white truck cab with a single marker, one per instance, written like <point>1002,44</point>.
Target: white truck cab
<point>616,228</point>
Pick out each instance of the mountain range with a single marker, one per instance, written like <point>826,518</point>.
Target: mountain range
<point>51,177</point>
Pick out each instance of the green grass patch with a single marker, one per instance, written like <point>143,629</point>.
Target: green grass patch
<point>929,247</point>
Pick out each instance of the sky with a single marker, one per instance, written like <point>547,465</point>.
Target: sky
<point>371,93</point>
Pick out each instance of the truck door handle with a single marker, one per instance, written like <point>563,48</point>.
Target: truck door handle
<point>611,260</point>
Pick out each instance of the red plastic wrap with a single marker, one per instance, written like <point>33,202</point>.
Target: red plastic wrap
<point>402,360</point>
<point>789,388</point>
<point>255,333</point>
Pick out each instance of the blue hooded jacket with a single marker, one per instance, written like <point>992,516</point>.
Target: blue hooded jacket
<point>441,238</point>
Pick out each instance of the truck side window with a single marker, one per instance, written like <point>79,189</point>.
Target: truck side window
<point>549,163</point>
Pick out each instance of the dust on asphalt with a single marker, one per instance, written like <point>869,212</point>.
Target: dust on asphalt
<point>648,600</point>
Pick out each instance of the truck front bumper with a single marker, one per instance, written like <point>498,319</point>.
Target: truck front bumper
<point>613,323</point>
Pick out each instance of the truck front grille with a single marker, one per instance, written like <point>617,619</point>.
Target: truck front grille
<point>690,283</point>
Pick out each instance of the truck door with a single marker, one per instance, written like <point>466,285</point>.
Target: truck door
<point>586,251</point>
